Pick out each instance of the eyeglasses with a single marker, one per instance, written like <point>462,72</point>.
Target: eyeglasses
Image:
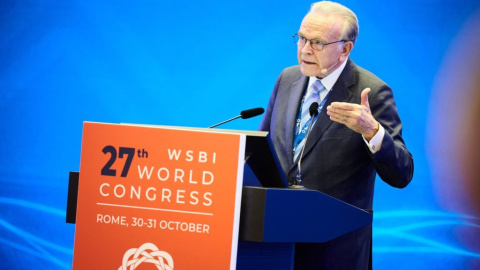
<point>314,43</point>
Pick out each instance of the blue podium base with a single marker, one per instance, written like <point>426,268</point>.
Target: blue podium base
<point>265,256</point>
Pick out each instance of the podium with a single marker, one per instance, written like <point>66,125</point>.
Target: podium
<point>272,219</point>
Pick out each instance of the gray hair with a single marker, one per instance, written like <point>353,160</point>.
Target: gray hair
<point>350,21</point>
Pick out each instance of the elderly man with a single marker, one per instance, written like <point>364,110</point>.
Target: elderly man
<point>356,134</point>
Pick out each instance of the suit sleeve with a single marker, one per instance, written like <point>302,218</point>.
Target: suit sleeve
<point>265,123</point>
<point>393,162</point>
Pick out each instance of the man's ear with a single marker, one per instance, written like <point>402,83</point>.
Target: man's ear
<point>346,49</point>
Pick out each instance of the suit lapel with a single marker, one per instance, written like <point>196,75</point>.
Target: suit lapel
<point>340,93</point>
<point>293,105</point>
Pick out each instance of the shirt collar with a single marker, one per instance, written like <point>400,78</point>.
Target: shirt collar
<point>331,79</point>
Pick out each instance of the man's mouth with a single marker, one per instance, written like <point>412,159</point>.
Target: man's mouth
<point>308,63</point>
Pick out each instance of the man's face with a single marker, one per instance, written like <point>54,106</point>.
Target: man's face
<point>325,29</point>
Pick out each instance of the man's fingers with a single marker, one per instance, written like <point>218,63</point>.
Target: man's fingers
<point>343,106</point>
<point>364,97</point>
<point>335,113</point>
<point>341,117</point>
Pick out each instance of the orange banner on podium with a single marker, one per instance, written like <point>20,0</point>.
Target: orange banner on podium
<point>158,198</point>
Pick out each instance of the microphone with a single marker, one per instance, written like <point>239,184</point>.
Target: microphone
<point>325,70</point>
<point>313,109</point>
<point>251,113</point>
<point>243,114</point>
<point>313,112</point>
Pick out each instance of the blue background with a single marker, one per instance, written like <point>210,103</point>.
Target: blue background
<point>196,63</point>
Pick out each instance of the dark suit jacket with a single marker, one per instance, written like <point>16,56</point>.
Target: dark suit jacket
<point>336,160</point>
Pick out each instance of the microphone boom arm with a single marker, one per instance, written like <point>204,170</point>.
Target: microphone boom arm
<point>244,115</point>
<point>226,121</point>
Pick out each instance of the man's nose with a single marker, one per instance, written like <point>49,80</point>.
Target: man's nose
<point>307,48</point>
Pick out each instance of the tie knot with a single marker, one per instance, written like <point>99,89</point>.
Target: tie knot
<point>317,87</point>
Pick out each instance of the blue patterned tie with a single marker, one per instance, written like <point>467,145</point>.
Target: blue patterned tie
<point>313,96</point>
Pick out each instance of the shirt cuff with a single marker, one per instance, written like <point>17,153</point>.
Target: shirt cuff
<point>376,142</point>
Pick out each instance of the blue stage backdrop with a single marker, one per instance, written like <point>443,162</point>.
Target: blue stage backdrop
<point>196,63</point>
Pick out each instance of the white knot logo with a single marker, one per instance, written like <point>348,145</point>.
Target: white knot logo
<point>147,253</point>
